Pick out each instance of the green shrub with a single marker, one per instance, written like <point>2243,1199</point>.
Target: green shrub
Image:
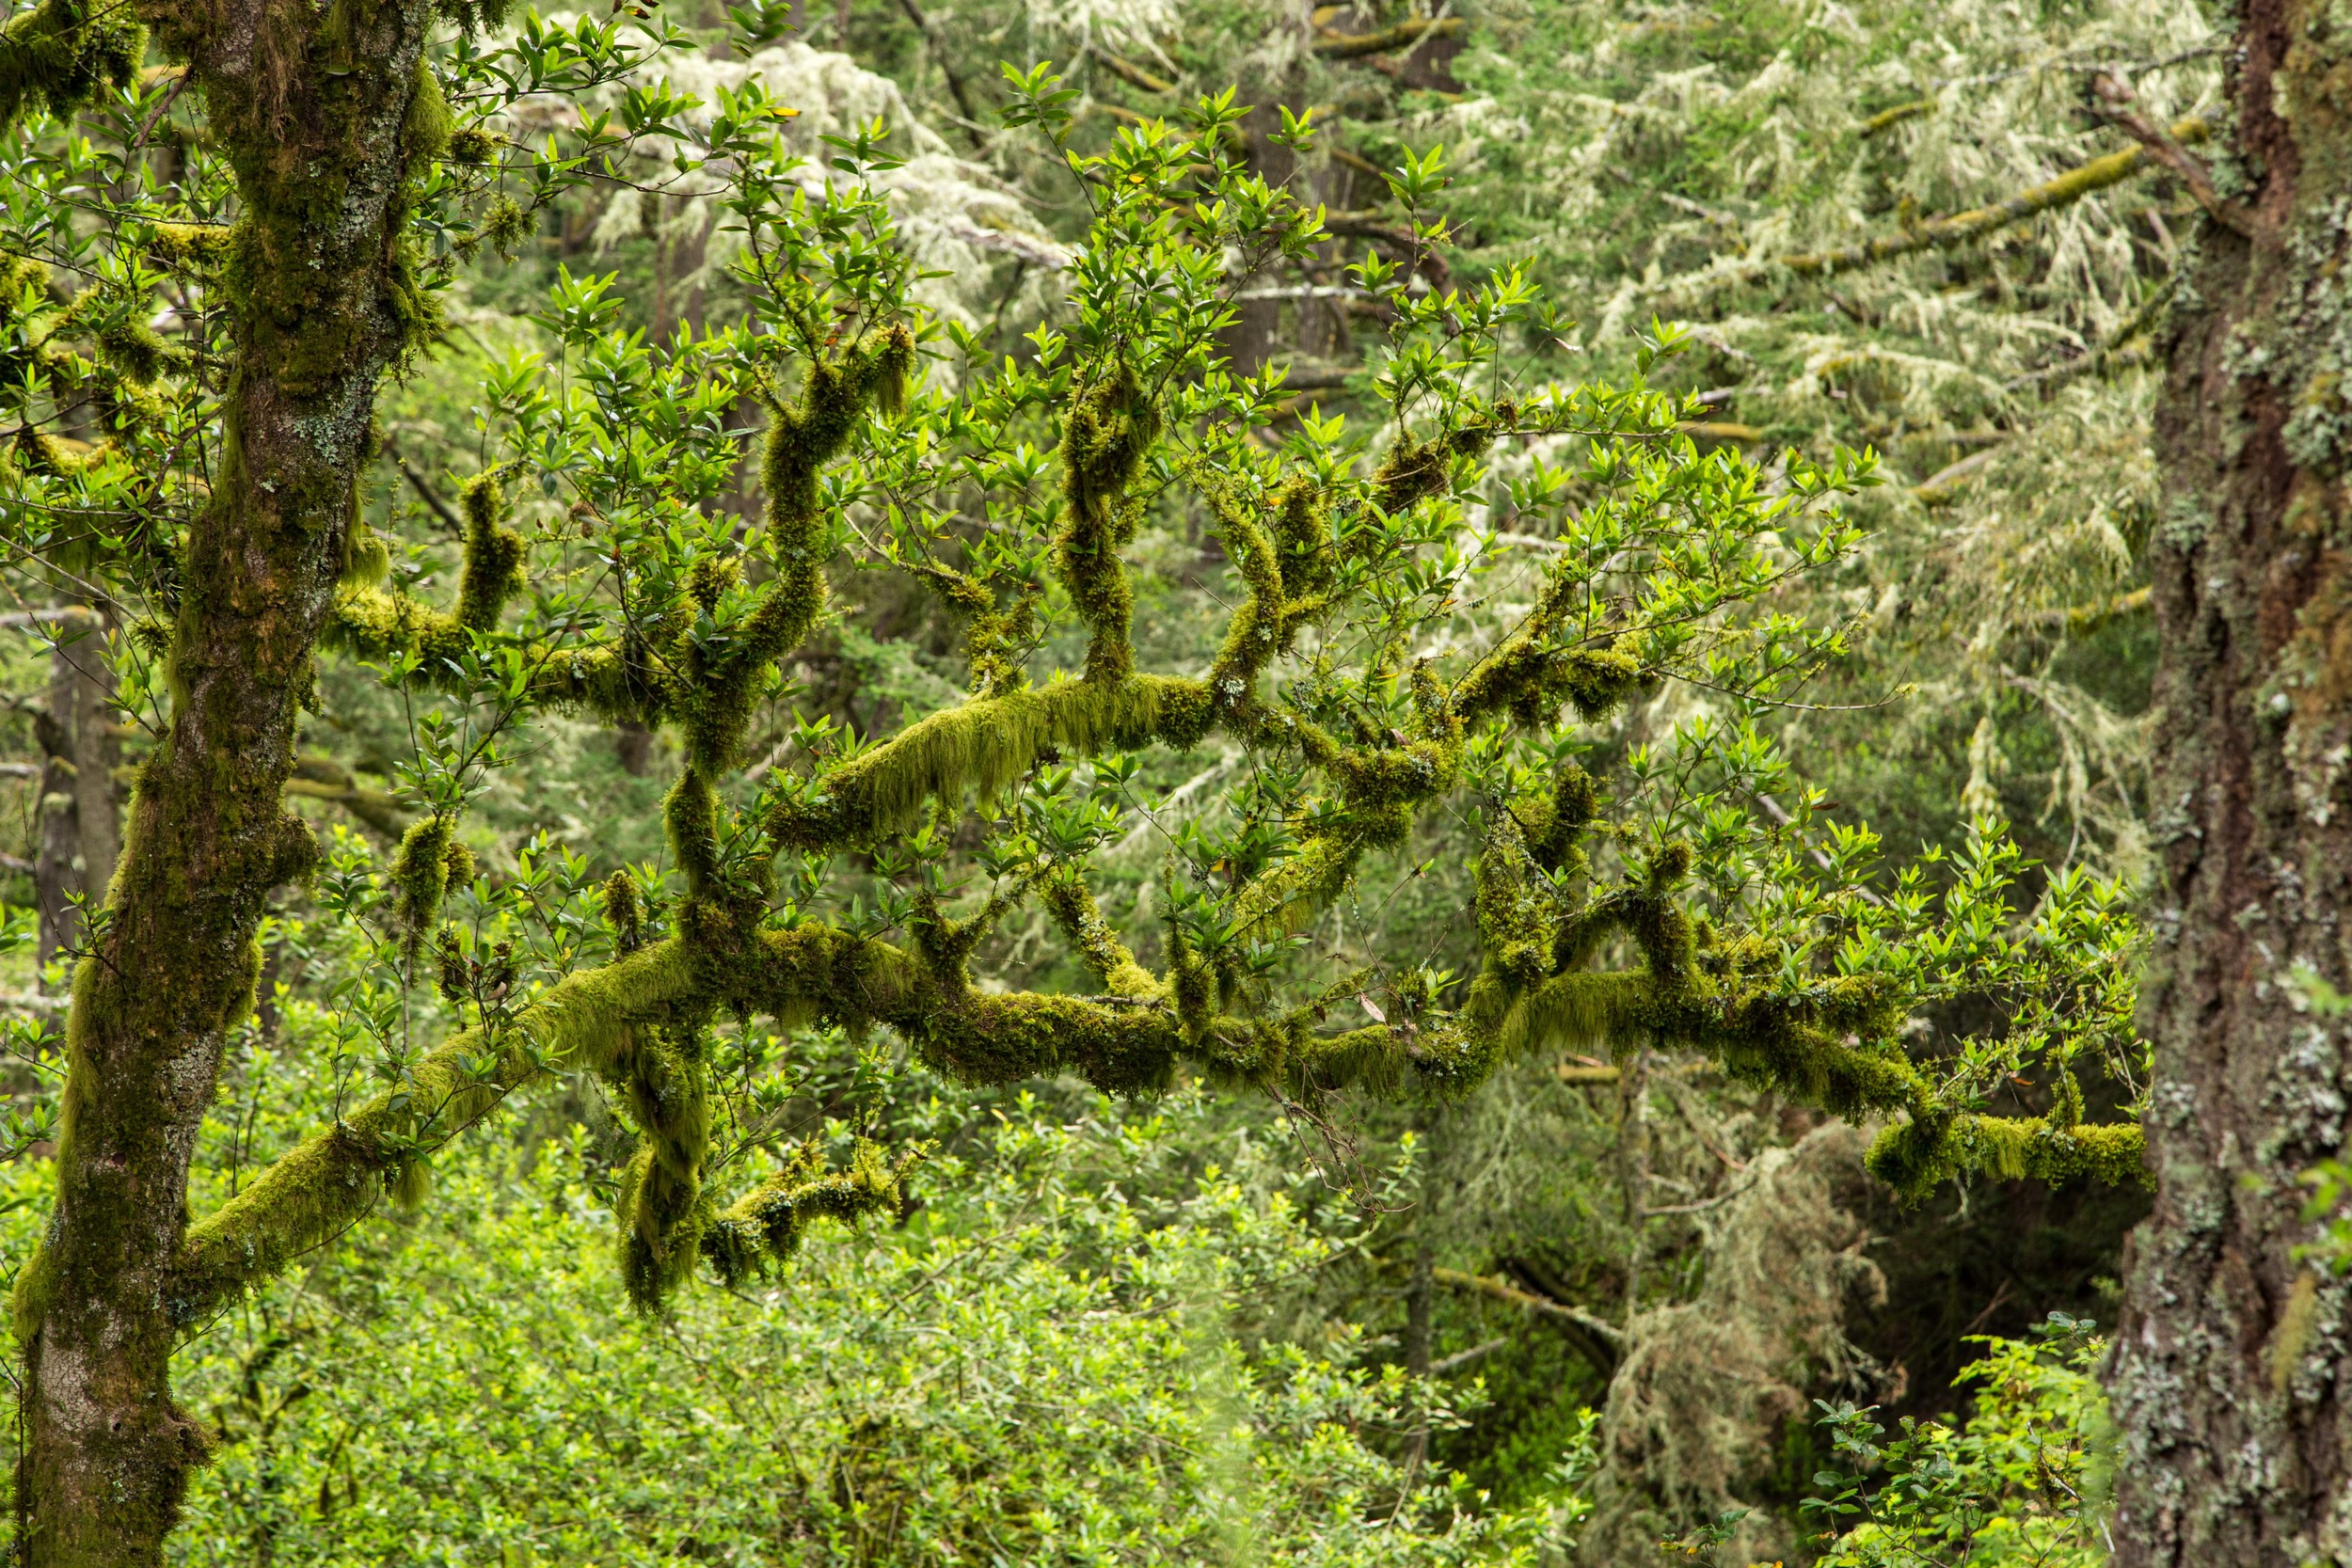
<point>1037,1369</point>
<point>2022,1482</point>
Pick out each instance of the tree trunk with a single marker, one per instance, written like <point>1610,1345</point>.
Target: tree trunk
<point>81,830</point>
<point>2228,1366</point>
<point>313,108</point>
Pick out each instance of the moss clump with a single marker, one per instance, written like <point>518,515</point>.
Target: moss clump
<point>996,637</point>
<point>61,54</point>
<point>1415,470</point>
<point>764,1227</point>
<point>429,859</point>
<point>1106,434</point>
<point>624,910</point>
<point>372,624</point>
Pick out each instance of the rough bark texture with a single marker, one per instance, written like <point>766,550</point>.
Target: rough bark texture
<point>2228,1372</point>
<point>316,108</point>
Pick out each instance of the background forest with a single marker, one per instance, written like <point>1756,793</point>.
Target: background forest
<point>1603,1309</point>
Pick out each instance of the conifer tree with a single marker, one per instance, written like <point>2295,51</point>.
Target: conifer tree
<point>2229,1361</point>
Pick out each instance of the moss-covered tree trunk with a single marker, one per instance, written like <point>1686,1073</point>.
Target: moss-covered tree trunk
<point>316,107</point>
<point>2230,1373</point>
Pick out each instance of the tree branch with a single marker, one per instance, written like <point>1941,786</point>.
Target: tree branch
<point>1601,1341</point>
<point>2111,96</point>
<point>1133,75</point>
<point>956,86</point>
<point>319,1189</point>
<point>1946,232</point>
<point>1348,46</point>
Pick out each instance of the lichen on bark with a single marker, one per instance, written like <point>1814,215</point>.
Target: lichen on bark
<point>2227,1371</point>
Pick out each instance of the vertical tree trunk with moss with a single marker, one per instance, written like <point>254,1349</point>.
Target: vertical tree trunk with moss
<point>2230,1373</point>
<point>319,113</point>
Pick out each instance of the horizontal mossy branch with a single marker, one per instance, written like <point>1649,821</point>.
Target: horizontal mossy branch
<point>1945,233</point>
<point>1914,1156</point>
<point>983,746</point>
<point>324,779</point>
<point>318,1189</point>
<point>1355,46</point>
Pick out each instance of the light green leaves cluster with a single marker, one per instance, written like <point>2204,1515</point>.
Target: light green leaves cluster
<point>1037,1367</point>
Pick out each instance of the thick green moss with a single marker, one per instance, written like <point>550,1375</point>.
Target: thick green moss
<point>765,1226</point>
<point>369,623</point>
<point>1108,432</point>
<point>314,1192</point>
<point>61,54</point>
<point>982,746</point>
<point>1081,920</point>
<point>1915,1155</point>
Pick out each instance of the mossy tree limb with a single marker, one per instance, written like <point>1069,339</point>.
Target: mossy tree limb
<point>1955,229</point>
<point>329,1182</point>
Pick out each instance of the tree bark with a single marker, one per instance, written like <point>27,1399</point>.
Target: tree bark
<point>2229,1368</point>
<point>81,827</point>
<point>312,107</point>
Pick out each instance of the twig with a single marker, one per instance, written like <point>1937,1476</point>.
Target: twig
<point>18,620</point>
<point>2111,94</point>
<point>1946,482</point>
<point>424,487</point>
<point>1464,1357</point>
<point>179,86</point>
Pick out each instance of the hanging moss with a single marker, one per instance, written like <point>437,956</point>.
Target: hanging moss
<point>61,54</point>
<point>981,746</point>
<point>1107,430</point>
<point>624,910</point>
<point>665,1071</point>
<point>429,859</point>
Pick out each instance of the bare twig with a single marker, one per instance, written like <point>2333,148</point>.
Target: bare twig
<point>424,487</point>
<point>1461,1358</point>
<point>2111,97</point>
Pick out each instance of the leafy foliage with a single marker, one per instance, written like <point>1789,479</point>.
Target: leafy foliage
<point>2020,1482</point>
<point>1034,1367</point>
<point>1010,673</point>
